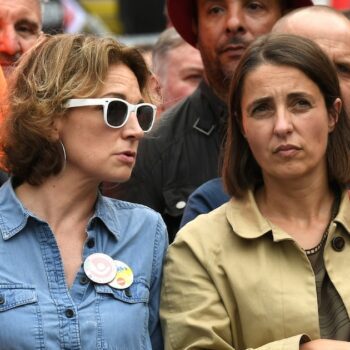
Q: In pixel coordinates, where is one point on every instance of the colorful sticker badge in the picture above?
(100, 268)
(123, 277)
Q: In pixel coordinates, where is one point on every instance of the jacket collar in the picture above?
(107, 211)
(218, 106)
(247, 221)
(343, 216)
(245, 217)
(14, 216)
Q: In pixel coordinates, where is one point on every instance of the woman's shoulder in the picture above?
(225, 225)
(209, 228)
(131, 216)
(124, 207)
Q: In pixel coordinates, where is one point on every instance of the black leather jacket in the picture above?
(177, 157)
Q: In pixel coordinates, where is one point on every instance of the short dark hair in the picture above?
(58, 68)
(240, 169)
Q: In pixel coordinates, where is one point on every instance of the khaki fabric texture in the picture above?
(231, 281)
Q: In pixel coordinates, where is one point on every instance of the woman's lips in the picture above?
(286, 150)
(127, 157)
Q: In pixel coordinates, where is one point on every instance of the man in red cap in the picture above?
(184, 150)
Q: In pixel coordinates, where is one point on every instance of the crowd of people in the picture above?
(242, 114)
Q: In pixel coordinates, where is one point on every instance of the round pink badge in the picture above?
(100, 268)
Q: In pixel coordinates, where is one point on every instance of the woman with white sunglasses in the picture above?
(78, 270)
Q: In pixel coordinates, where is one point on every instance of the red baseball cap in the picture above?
(181, 13)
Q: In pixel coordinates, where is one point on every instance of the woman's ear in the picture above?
(56, 128)
(334, 114)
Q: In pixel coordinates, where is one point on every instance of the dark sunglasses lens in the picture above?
(145, 117)
(116, 113)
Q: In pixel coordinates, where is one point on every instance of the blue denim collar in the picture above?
(14, 216)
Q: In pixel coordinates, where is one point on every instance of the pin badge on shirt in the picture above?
(100, 268)
(124, 276)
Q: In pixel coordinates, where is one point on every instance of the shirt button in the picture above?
(127, 292)
(84, 280)
(90, 243)
(338, 243)
(69, 313)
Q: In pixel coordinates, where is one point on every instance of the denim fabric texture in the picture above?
(39, 311)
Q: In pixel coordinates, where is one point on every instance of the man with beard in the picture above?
(183, 152)
(20, 27)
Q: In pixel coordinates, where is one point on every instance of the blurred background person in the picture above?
(20, 27)
(77, 112)
(178, 67)
(333, 38)
(268, 270)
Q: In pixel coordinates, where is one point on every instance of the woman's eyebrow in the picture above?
(120, 95)
(258, 101)
(114, 94)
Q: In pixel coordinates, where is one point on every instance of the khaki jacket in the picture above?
(232, 281)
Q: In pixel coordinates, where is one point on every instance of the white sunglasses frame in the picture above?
(85, 102)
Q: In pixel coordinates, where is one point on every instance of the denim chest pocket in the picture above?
(20, 317)
(14, 295)
(125, 310)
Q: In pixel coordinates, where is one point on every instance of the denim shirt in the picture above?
(39, 311)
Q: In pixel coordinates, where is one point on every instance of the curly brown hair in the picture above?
(58, 68)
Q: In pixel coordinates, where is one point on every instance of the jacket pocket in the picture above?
(138, 292)
(15, 295)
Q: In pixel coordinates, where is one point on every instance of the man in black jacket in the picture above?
(183, 151)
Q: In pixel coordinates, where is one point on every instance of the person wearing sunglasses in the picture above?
(79, 270)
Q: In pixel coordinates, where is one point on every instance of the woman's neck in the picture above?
(300, 209)
(59, 199)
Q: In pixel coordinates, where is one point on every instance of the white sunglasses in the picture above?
(116, 111)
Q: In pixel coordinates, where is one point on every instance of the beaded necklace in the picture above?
(335, 208)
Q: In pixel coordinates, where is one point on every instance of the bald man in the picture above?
(331, 30)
